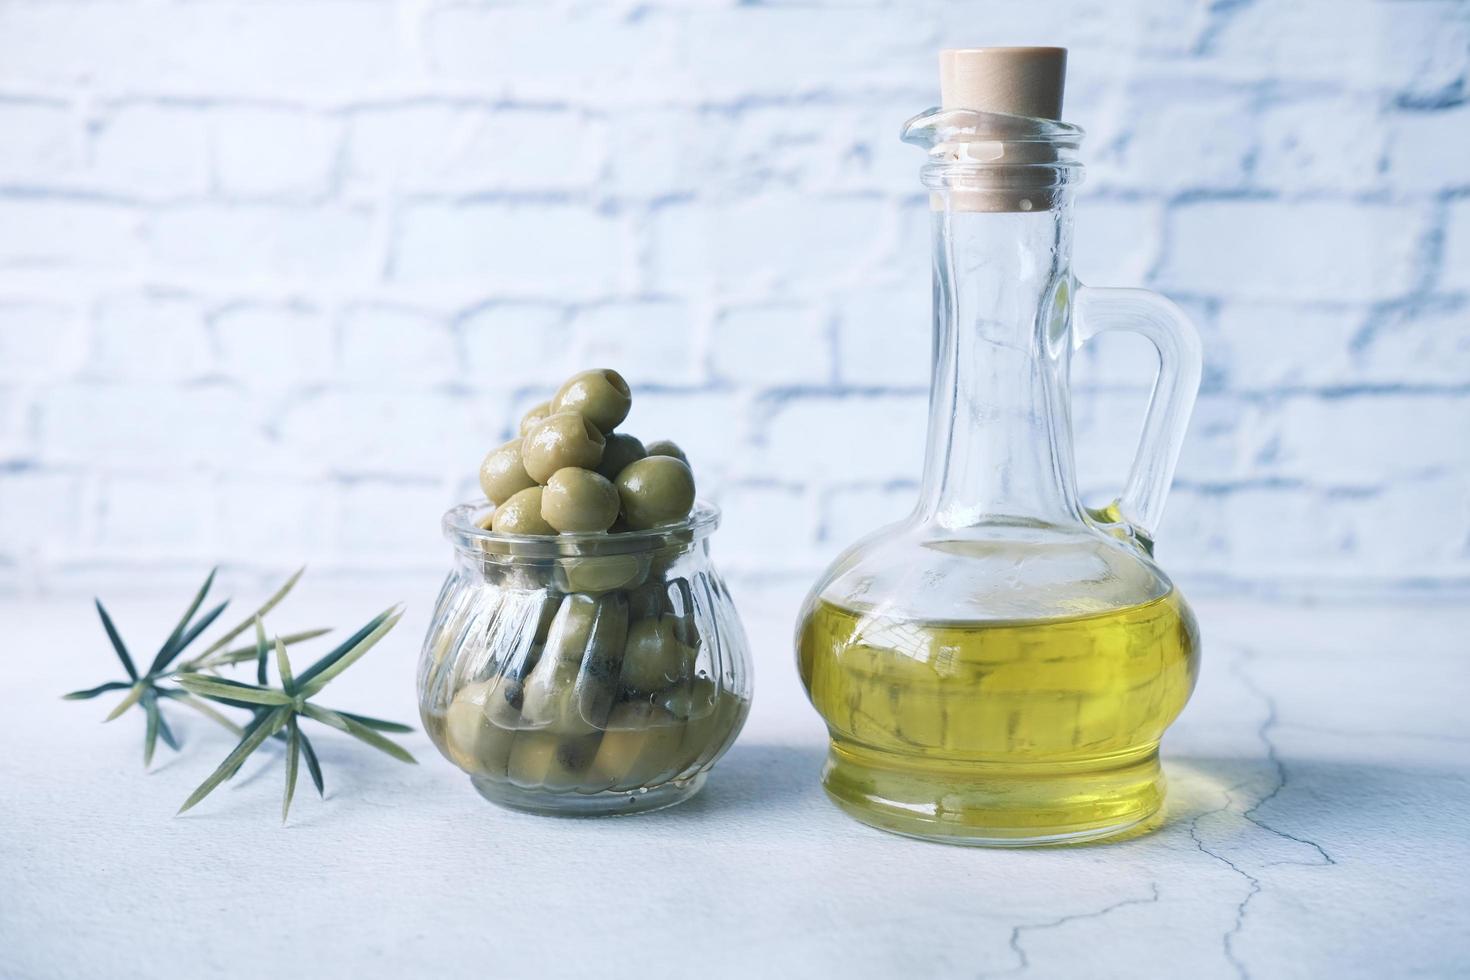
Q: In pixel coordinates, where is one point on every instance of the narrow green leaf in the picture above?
(312, 765)
(293, 754)
(283, 666)
(165, 652)
(220, 688)
(311, 685)
(165, 657)
(241, 654)
(127, 702)
(203, 708)
(92, 692)
(166, 733)
(150, 736)
(260, 652)
(378, 724)
(329, 717)
(255, 735)
(266, 607)
(117, 643)
(340, 651)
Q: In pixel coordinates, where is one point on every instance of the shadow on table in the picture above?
(756, 778)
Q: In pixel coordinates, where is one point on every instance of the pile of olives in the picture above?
(569, 473)
(596, 684)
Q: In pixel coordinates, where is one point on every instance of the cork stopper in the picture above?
(1016, 81)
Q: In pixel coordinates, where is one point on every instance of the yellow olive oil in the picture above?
(999, 732)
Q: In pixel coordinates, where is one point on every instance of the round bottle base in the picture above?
(995, 805)
(604, 804)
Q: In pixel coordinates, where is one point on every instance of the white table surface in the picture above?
(1316, 826)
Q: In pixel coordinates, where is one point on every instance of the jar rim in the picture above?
(461, 525)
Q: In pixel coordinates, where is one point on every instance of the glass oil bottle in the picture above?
(999, 667)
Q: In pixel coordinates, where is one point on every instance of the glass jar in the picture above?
(999, 667)
(584, 673)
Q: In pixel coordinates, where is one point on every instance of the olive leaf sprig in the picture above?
(278, 708)
(149, 688)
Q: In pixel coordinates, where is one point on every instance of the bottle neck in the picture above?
(1000, 444)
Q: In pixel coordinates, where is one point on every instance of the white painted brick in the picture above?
(45, 233)
(765, 242)
(650, 342)
(831, 438)
(413, 535)
(512, 345)
(1419, 529)
(885, 336)
(1417, 347)
(149, 335)
(1284, 532)
(315, 48)
(853, 512)
(436, 148)
(273, 153)
(40, 143)
(1103, 34)
(765, 528)
(1360, 441)
(396, 344)
(771, 345)
(38, 340)
(365, 433)
(1330, 144)
(157, 150)
(1116, 243)
(159, 428)
(1455, 264)
(273, 346)
(1263, 346)
(1430, 150)
(266, 243)
(176, 519)
(548, 248)
(1227, 441)
(1161, 142)
(39, 511)
(798, 51)
(1330, 251)
(590, 54)
(276, 520)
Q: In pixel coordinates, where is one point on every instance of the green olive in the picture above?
(601, 395)
(655, 491)
(620, 450)
(646, 601)
(502, 475)
(521, 514)
(667, 447)
(654, 658)
(560, 694)
(578, 500)
(596, 574)
(476, 744)
(640, 747)
(561, 440)
(534, 415)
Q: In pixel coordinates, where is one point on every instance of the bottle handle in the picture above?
(1099, 310)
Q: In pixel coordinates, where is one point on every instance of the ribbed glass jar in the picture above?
(584, 673)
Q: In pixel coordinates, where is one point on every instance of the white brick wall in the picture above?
(273, 275)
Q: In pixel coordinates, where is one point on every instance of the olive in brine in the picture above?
(655, 491)
(475, 743)
(602, 396)
(521, 514)
(639, 748)
(654, 658)
(560, 694)
(667, 447)
(561, 440)
(578, 500)
(502, 474)
(533, 416)
(621, 449)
